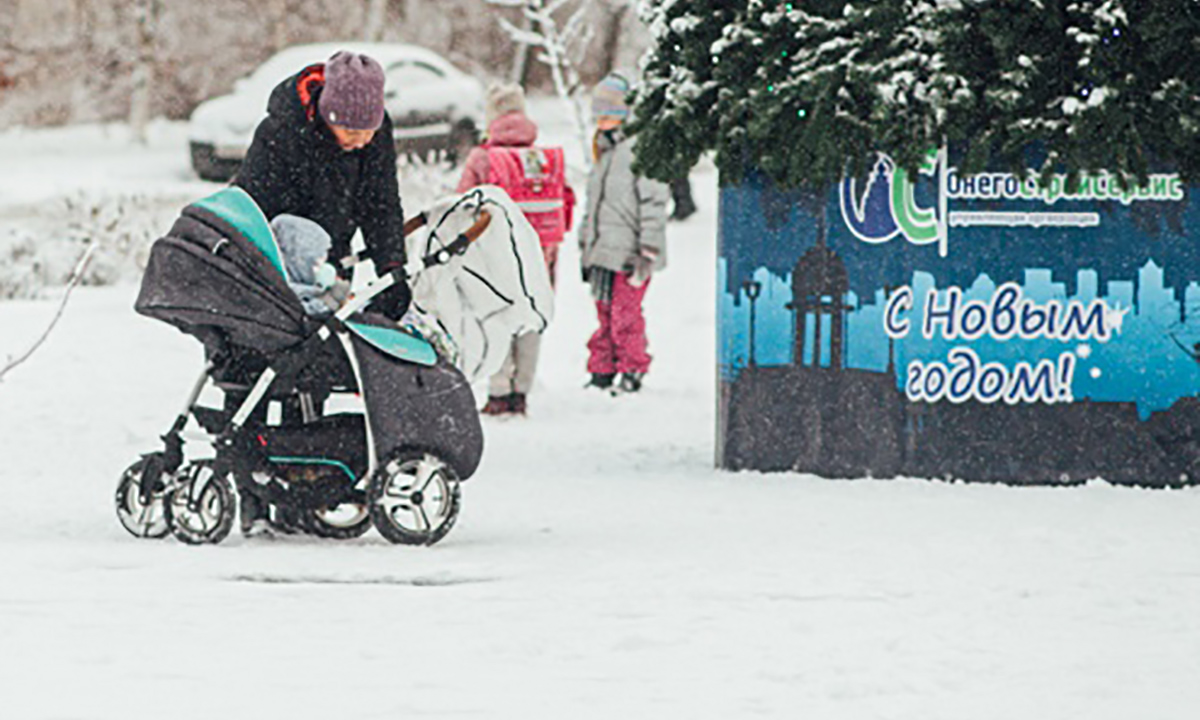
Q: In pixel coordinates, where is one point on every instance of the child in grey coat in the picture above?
(622, 241)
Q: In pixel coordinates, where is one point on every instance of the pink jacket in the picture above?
(513, 130)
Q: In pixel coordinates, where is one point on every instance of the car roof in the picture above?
(292, 59)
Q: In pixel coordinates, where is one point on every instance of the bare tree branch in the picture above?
(76, 277)
(520, 35)
(561, 47)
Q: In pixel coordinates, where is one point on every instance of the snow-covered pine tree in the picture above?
(838, 81)
(1090, 84)
(675, 111)
(1028, 62)
(800, 88)
(796, 89)
(1094, 84)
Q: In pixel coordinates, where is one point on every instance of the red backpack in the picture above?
(535, 178)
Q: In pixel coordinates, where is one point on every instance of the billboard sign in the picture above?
(986, 327)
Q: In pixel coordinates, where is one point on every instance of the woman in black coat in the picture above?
(326, 152)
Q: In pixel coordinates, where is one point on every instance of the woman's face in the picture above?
(349, 139)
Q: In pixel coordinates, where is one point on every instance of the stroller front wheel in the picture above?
(200, 507)
(143, 518)
(414, 498)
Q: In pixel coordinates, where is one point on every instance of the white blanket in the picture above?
(498, 289)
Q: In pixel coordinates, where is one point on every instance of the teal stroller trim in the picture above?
(235, 206)
(396, 343)
(286, 460)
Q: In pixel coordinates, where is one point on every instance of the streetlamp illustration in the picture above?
(753, 289)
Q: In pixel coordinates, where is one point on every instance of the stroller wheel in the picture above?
(342, 522)
(142, 519)
(200, 508)
(414, 498)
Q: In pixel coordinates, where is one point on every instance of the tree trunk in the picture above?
(373, 26)
(141, 95)
(611, 43)
(520, 67)
(279, 10)
(410, 10)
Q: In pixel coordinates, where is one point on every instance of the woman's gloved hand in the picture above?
(393, 302)
(335, 295)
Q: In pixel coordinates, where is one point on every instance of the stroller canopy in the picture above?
(235, 206)
(220, 269)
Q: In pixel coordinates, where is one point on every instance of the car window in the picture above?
(412, 74)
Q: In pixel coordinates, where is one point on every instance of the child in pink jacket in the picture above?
(535, 178)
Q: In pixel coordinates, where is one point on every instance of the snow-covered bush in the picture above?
(20, 271)
(44, 246)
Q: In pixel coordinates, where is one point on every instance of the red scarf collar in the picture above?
(311, 80)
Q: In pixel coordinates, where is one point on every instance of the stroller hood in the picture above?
(219, 269)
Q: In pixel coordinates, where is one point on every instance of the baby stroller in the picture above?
(394, 461)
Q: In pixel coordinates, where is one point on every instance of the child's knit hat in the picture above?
(303, 243)
(608, 98)
(503, 99)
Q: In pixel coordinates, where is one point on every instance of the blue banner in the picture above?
(989, 327)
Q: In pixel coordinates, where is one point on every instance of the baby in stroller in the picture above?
(281, 338)
(305, 247)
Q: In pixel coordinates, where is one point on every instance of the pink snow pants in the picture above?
(619, 346)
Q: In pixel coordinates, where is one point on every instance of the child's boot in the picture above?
(498, 405)
(601, 381)
(630, 382)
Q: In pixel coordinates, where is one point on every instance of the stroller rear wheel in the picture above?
(343, 522)
(414, 498)
(143, 519)
(200, 508)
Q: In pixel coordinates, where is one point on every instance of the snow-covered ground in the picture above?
(600, 569)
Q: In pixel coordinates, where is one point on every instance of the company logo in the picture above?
(887, 207)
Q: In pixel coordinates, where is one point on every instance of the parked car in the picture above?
(436, 108)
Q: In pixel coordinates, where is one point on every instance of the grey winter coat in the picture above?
(624, 212)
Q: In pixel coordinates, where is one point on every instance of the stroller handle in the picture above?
(461, 243)
(480, 226)
(415, 222)
(440, 257)
(418, 221)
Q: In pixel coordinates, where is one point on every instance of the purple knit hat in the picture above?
(353, 94)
